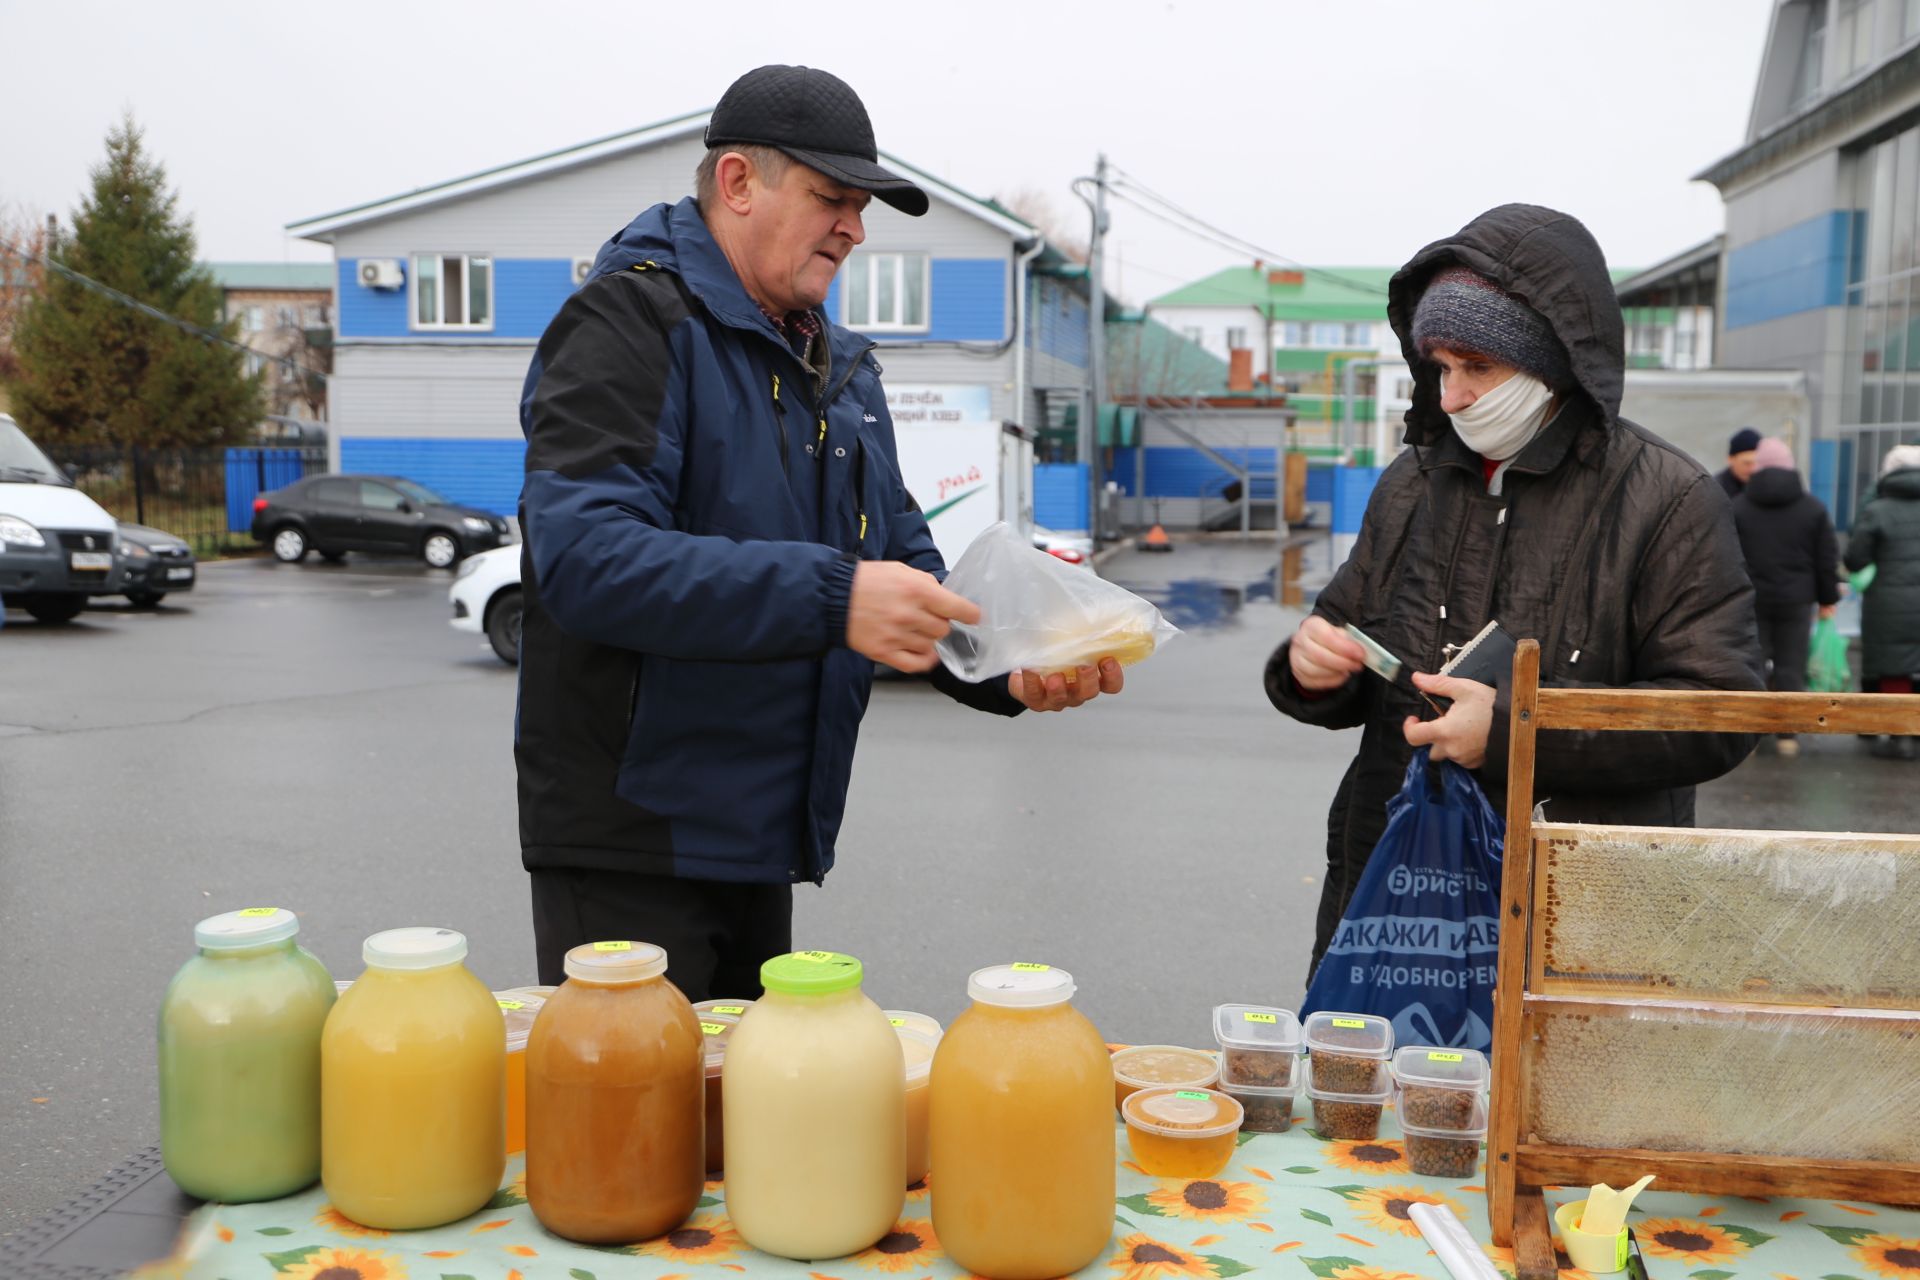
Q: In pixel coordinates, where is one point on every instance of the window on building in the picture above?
(1237, 339)
(1813, 53)
(1880, 389)
(1293, 334)
(452, 291)
(1193, 333)
(313, 317)
(885, 291)
(1329, 335)
(1910, 20)
(253, 363)
(1853, 33)
(286, 317)
(253, 319)
(1360, 335)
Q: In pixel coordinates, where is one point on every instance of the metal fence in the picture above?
(203, 496)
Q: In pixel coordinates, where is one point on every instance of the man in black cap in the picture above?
(1740, 462)
(718, 549)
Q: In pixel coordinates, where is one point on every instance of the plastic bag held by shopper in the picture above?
(1420, 940)
(1039, 613)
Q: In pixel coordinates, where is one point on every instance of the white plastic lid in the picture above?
(249, 927)
(1256, 1026)
(732, 1008)
(1183, 1113)
(1434, 1068)
(420, 947)
(1359, 1035)
(613, 963)
(716, 1030)
(925, 1023)
(1020, 986)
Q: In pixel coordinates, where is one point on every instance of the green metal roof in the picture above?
(1324, 293)
(272, 275)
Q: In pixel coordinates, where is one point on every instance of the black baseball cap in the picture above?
(816, 118)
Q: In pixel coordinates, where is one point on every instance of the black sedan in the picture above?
(156, 563)
(337, 514)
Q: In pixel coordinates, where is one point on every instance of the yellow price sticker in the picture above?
(1356, 1024)
(735, 1009)
(1033, 968)
(513, 1004)
(814, 957)
(613, 946)
(898, 1022)
(253, 912)
(714, 1028)
(1446, 1057)
(1266, 1018)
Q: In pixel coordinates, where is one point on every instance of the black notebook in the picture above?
(1485, 658)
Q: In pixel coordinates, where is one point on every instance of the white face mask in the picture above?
(1505, 420)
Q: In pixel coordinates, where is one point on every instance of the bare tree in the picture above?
(309, 347)
(25, 237)
(1063, 230)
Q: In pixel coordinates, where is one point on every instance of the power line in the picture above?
(127, 300)
(1226, 239)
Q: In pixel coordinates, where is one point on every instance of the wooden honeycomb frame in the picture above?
(1528, 994)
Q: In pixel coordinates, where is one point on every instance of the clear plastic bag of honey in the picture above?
(1039, 613)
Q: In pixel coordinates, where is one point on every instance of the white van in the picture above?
(57, 545)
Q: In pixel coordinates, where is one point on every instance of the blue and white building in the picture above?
(441, 294)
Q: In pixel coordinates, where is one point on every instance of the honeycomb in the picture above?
(1758, 917)
(1793, 1083)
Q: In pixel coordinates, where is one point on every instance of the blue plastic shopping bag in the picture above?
(1420, 942)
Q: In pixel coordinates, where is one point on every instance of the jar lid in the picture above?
(1146, 1065)
(421, 947)
(1183, 1113)
(1020, 986)
(1433, 1067)
(610, 963)
(1256, 1026)
(248, 927)
(925, 1023)
(732, 1008)
(811, 973)
(1360, 1035)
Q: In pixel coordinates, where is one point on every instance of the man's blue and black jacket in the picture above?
(696, 500)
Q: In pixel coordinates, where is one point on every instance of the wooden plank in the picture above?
(1899, 1022)
(1686, 838)
(1516, 900)
(1533, 1238)
(1716, 1173)
(1706, 711)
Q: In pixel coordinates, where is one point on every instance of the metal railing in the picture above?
(202, 495)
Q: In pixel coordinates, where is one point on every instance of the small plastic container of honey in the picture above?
(1181, 1133)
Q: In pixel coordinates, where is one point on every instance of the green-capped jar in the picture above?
(240, 1060)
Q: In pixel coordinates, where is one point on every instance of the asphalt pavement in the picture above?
(317, 737)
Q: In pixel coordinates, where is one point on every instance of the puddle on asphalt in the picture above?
(1202, 603)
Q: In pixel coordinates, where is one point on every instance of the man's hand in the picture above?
(897, 612)
(1322, 656)
(1828, 610)
(1058, 692)
(1461, 734)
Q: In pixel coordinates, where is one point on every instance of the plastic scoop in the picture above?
(1607, 1209)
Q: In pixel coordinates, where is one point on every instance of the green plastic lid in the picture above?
(811, 973)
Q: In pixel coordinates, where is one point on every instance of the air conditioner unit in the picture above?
(381, 273)
(582, 270)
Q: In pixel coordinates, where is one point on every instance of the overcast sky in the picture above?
(1329, 132)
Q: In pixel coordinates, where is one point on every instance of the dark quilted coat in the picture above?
(1886, 534)
(1611, 547)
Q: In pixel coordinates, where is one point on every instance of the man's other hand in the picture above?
(1057, 692)
(897, 612)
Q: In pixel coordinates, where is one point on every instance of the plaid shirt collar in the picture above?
(801, 325)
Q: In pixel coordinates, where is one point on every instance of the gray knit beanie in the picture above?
(1462, 310)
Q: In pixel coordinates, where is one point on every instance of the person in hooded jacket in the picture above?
(1524, 498)
(719, 548)
(1886, 535)
(1794, 561)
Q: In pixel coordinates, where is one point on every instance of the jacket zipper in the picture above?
(780, 428)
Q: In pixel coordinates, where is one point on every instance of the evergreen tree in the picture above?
(94, 371)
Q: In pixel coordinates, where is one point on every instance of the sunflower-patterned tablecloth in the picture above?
(1290, 1205)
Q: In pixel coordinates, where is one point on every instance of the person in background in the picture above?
(1739, 469)
(1886, 534)
(1794, 561)
(1523, 497)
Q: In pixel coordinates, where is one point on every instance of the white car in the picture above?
(57, 545)
(486, 599)
(1072, 548)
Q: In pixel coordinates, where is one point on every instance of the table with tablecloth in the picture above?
(1292, 1205)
